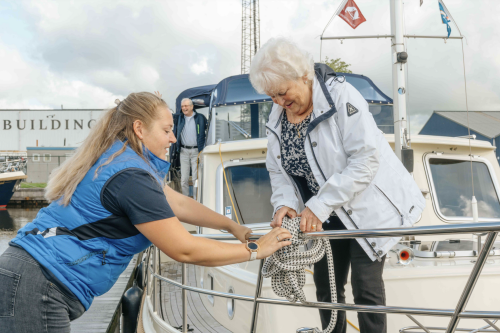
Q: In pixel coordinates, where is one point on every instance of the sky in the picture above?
(86, 53)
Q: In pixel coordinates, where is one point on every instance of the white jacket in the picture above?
(359, 175)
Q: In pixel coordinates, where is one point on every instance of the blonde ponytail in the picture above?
(115, 124)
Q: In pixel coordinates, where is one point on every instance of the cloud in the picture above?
(87, 53)
(201, 67)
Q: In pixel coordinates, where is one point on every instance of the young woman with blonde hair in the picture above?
(108, 203)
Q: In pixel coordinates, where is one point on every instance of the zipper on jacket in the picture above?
(366, 240)
(393, 205)
(104, 257)
(315, 160)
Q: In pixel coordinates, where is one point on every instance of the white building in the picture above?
(20, 129)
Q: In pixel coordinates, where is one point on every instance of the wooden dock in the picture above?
(99, 317)
(28, 196)
(199, 319)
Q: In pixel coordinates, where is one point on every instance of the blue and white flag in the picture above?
(445, 17)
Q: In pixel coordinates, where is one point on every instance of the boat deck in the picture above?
(199, 319)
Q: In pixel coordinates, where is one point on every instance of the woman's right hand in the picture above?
(272, 242)
(280, 214)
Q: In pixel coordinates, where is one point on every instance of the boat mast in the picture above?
(399, 57)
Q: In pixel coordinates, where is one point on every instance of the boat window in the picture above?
(242, 90)
(36, 157)
(382, 113)
(241, 122)
(46, 157)
(251, 191)
(453, 188)
(365, 88)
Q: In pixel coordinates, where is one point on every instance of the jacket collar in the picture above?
(159, 165)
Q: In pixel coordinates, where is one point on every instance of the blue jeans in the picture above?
(28, 301)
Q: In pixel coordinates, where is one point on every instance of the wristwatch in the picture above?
(253, 248)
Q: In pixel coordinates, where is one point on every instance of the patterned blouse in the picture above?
(293, 154)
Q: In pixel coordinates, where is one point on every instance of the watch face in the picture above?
(253, 246)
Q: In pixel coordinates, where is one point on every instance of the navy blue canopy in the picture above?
(237, 89)
(199, 95)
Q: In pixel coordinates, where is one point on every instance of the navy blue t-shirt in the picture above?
(136, 194)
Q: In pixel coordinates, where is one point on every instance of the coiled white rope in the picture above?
(286, 268)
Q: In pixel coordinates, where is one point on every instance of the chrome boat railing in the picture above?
(491, 228)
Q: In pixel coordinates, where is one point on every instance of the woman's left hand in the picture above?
(309, 221)
(241, 232)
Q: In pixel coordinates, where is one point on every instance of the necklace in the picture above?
(299, 124)
(296, 125)
(297, 128)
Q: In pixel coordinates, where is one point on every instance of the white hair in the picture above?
(277, 61)
(187, 99)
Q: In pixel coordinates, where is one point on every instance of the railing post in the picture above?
(157, 281)
(184, 299)
(471, 283)
(153, 279)
(258, 290)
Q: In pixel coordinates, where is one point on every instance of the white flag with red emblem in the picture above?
(351, 14)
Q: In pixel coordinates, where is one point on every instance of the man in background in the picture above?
(190, 134)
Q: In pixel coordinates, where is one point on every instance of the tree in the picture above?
(338, 65)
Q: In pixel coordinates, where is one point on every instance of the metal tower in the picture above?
(250, 33)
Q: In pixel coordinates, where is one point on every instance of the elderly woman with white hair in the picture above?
(330, 165)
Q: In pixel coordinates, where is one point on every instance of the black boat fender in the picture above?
(131, 304)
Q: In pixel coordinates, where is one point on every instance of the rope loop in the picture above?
(286, 267)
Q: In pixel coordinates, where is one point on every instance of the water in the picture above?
(11, 220)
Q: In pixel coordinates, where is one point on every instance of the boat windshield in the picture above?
(240, 122)
(384, 118)
(366, 89)
(453, 188)
(248, 121)
(251, 191)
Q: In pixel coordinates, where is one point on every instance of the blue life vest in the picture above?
(84, 245)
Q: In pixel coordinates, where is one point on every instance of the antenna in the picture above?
(250, 33)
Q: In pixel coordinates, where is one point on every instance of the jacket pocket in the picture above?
(9, 282)
(392, 204)
(372, 209)
(101, 254)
